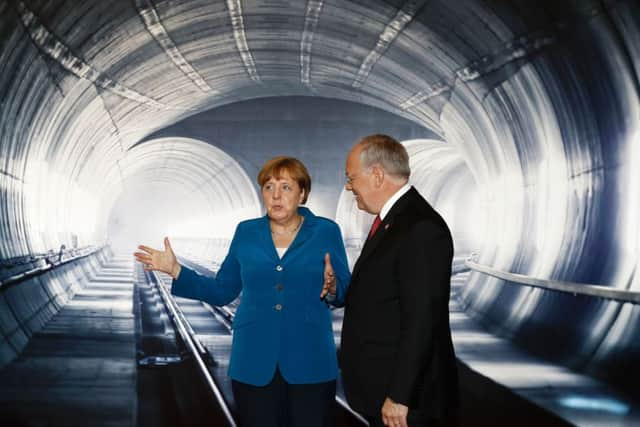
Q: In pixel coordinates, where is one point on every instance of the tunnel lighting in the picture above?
(240, 36)
(192, 227)
(84, 208)
(124, 292)
(209, 194)
(632, 232)
(474, 339)
(314, 8)
(595, 403)
(528, 374)
(113, 304)
(546, 230)
(614, 320)
(551, 189)
(223, 225)
(618, 332)
(57, 206)
(505, 200)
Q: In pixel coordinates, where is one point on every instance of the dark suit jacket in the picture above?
(396, 339)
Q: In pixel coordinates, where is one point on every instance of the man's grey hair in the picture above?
(388, 153)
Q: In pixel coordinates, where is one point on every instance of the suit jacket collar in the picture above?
(387, 224)
(306, 231)
(393, 200)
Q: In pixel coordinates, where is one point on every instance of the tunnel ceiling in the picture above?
(163, 60)
(509, 83)
(132, 67)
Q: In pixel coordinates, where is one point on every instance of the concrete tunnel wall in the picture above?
(539, 98)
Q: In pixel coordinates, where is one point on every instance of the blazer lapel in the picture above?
(266, 241)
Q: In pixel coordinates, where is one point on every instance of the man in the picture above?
(397, 359)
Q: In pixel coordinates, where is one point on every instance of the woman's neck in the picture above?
(288, 227)
(285, 231)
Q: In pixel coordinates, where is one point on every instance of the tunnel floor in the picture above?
(575, 398)
(81, 369)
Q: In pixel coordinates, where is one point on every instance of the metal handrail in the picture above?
(188, 337)
(50, 265)
(342, 402)
(574, 288)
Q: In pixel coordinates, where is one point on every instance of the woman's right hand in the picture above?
(154, 259)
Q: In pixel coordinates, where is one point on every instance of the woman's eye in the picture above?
(268, 187)
(286, 187)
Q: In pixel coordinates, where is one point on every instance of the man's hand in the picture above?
(329, 284)
(154, 259)
(394, 414)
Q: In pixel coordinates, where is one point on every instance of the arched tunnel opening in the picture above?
(123, 123)
(183, 188)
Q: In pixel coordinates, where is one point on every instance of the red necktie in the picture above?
(374, 226)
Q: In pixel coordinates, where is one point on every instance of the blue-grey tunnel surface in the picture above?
(125, 121)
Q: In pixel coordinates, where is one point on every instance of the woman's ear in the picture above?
(302, 196)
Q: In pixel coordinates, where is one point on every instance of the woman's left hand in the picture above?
(329, 284)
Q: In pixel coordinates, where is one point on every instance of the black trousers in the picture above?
(280, 404)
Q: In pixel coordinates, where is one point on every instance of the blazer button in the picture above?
(279, 287)
(279, 268)
(278, 307)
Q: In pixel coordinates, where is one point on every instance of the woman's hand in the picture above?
(329, 284)
(154, 259)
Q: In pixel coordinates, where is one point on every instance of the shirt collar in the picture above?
(393, 199)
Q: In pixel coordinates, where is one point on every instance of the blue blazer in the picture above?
(281, 320)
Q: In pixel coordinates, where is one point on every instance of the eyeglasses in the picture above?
(349, 179)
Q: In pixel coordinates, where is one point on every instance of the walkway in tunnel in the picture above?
(81, 368)
(576, 398)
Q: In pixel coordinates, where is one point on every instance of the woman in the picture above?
(283, 360)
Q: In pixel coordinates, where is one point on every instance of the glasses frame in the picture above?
(348, 180)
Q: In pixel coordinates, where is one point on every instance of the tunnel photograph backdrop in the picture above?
(125, 121)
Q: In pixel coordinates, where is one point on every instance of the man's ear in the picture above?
(378, 174)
